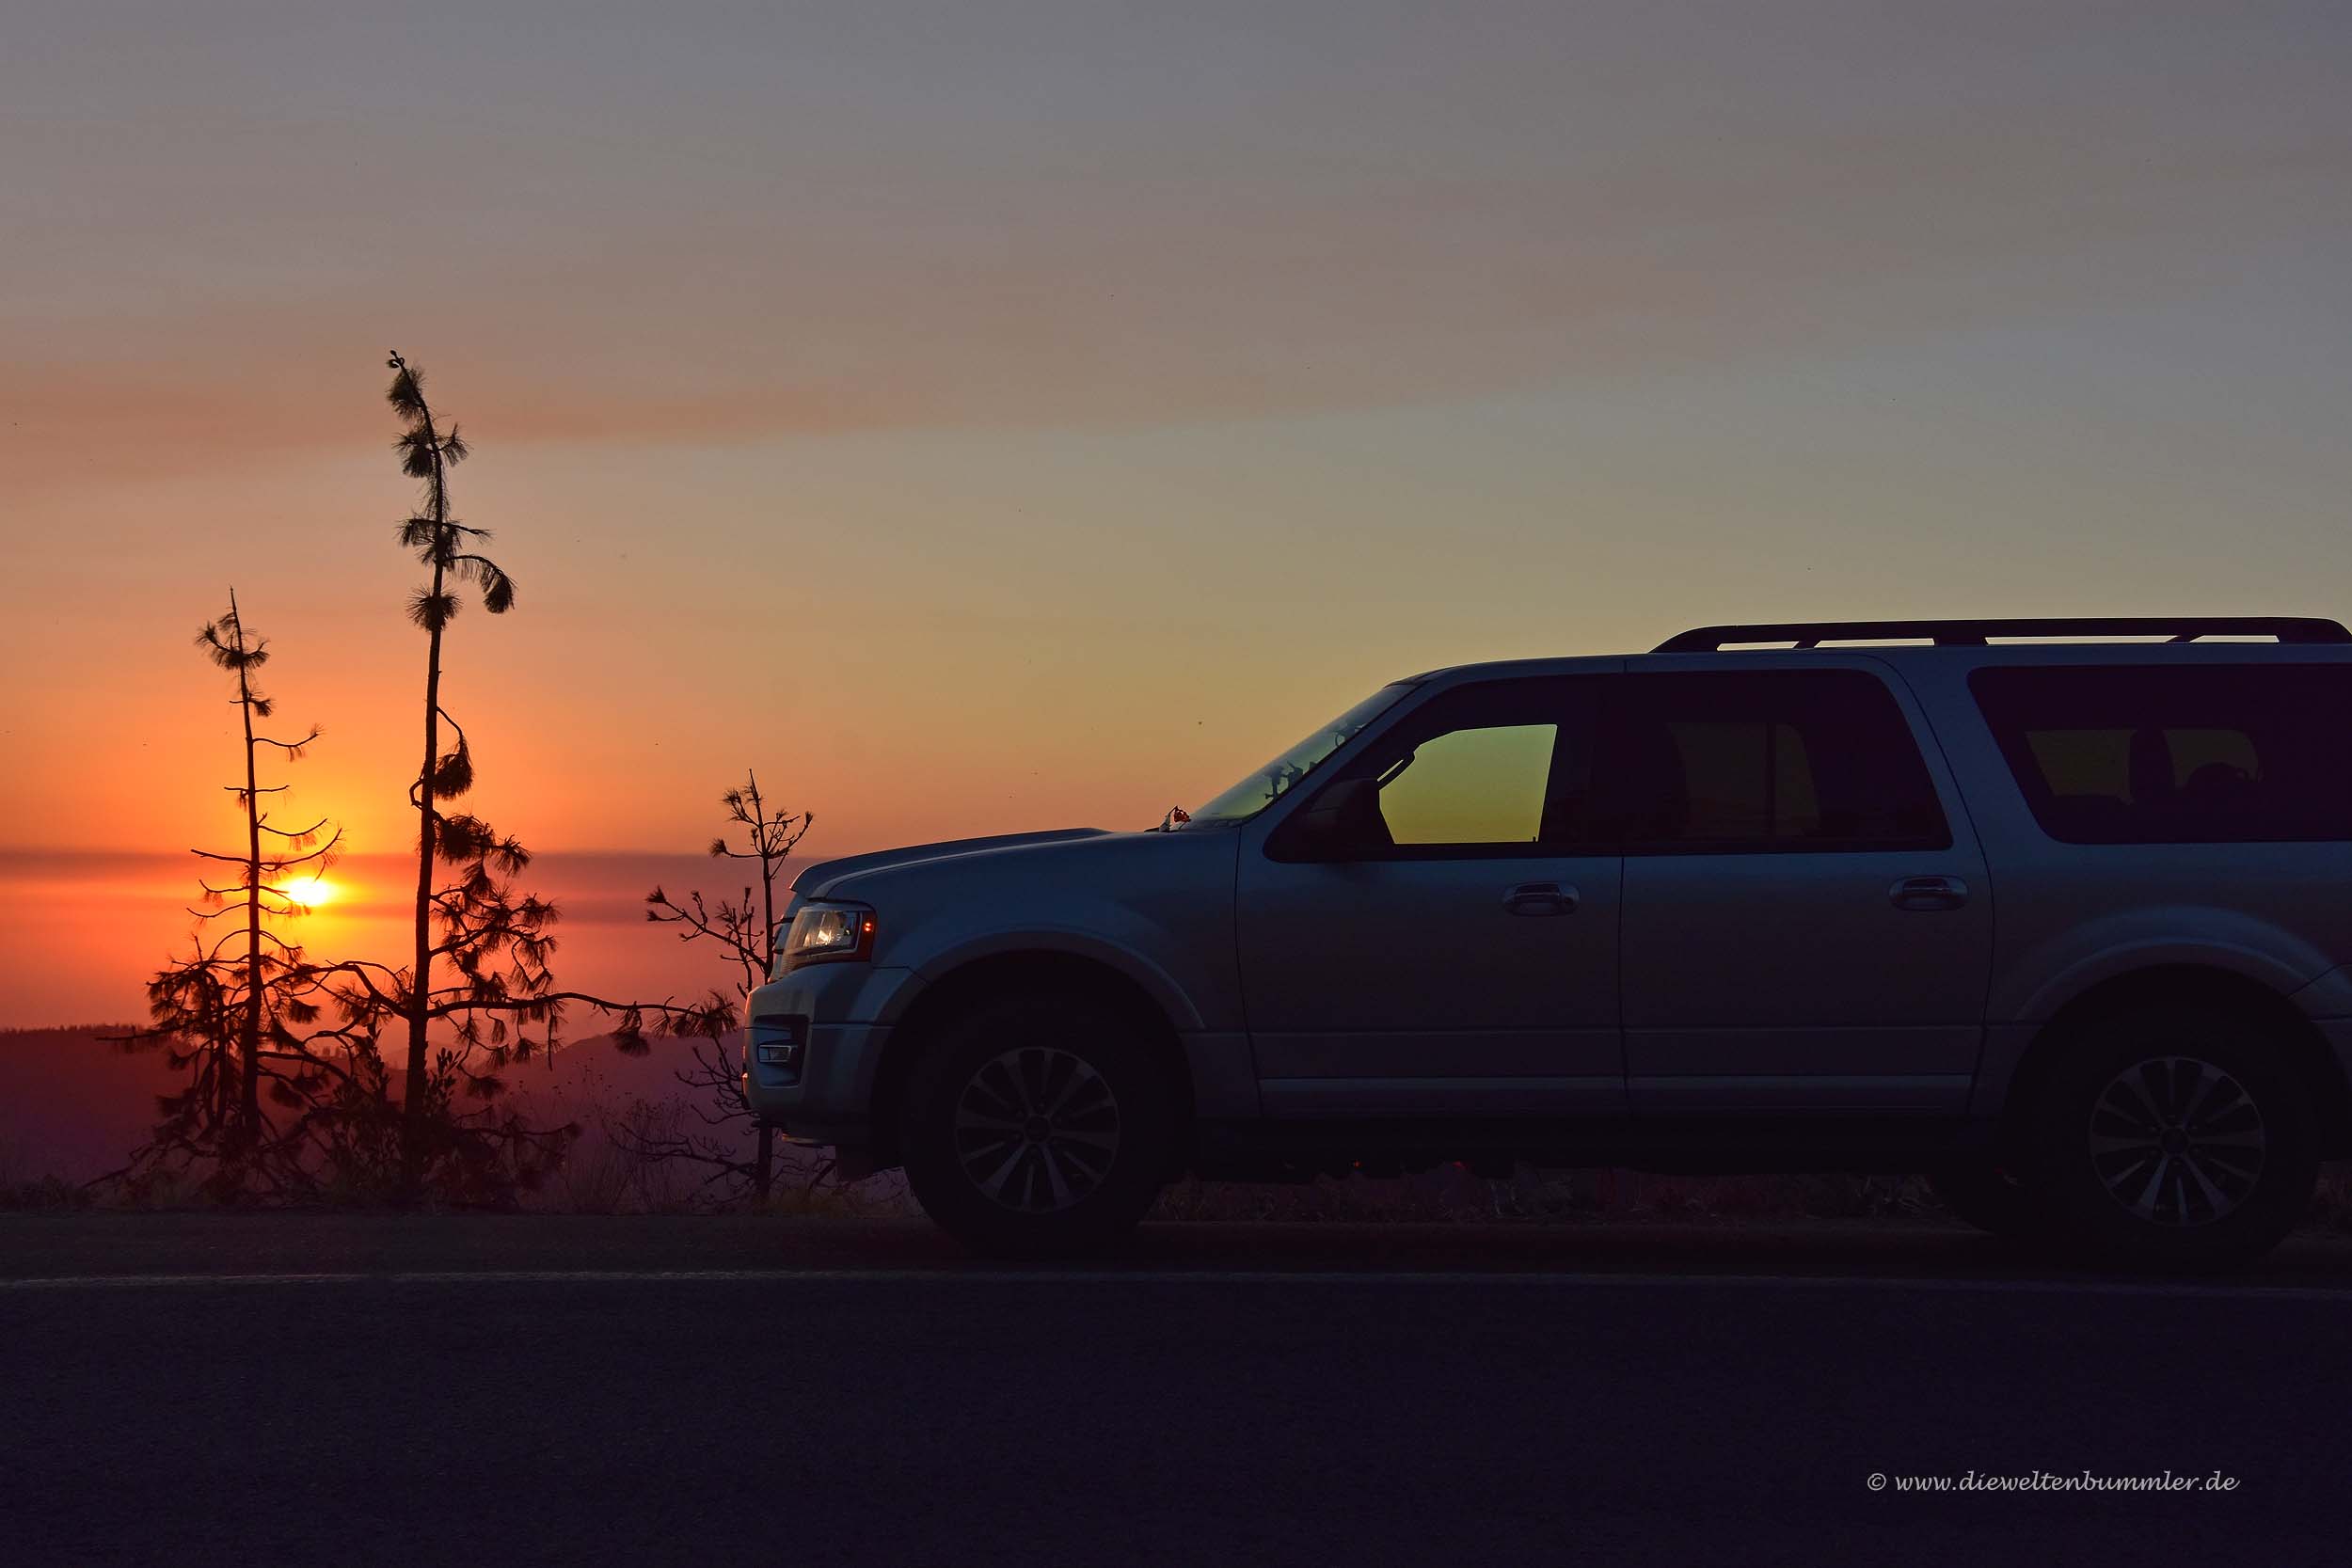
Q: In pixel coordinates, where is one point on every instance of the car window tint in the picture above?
(1768, 760)
(1796, 807)
(1726, 769)
(2201, 754)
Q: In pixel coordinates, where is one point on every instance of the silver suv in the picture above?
(2053, 912)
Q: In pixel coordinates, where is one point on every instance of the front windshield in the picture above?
(1262, 788)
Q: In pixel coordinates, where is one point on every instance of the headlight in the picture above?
(823, 931)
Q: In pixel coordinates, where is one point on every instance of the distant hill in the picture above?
(72, 1105)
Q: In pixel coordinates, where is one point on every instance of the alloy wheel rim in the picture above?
(1037, 1129)
(2177, 1141)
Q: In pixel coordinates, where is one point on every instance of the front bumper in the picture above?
(827, 1095)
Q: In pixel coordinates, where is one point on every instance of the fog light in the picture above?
(776, 1041)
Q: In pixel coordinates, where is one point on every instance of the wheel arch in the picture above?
(2198, 986)
(1017, 972)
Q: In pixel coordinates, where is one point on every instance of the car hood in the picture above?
(816, 881)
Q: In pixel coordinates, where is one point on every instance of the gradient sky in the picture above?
(987, 417)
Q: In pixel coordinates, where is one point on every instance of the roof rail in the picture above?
(2178, 628)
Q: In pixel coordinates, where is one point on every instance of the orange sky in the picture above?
(983, 423)
(110, 920)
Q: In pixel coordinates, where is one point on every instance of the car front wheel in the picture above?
(1037, 1127)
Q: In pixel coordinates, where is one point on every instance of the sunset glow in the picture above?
(309, 893)
(986, 428)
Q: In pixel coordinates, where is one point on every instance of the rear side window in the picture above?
(2143, 753)
(1785, 760)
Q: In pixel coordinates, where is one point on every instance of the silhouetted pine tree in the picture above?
(745, 935)
(478, 962)
(241, 1009)
(439, 541)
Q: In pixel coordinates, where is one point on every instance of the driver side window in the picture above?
(1495, 768)
(1483, 786)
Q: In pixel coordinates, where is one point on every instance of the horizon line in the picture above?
(14, 850)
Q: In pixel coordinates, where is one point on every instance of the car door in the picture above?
(1462, 958)
(1806, 925)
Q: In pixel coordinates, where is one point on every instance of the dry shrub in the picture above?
(608, 1172)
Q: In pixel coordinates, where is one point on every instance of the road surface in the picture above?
(274, 1388)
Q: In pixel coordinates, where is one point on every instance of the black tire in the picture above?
(1985, 1194)
(2176, 1139)
(1037, 1127)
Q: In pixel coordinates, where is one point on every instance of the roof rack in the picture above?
(1973, 634)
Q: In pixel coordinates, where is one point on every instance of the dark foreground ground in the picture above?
(194, 1389)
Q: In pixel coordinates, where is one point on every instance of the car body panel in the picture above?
(817, 879)
(1405, 986)
(2074, 914)
(1747, 977)
(1157, 908)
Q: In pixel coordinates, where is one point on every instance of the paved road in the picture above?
(272, 1388)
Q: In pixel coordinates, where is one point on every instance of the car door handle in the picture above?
(1541, 898)
(1928, 893)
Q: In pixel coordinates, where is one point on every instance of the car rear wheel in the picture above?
(1037, 1127)
(2176, 1139)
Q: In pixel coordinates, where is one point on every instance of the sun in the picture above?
(309, 892)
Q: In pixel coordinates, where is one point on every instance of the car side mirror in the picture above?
(1343, 822)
